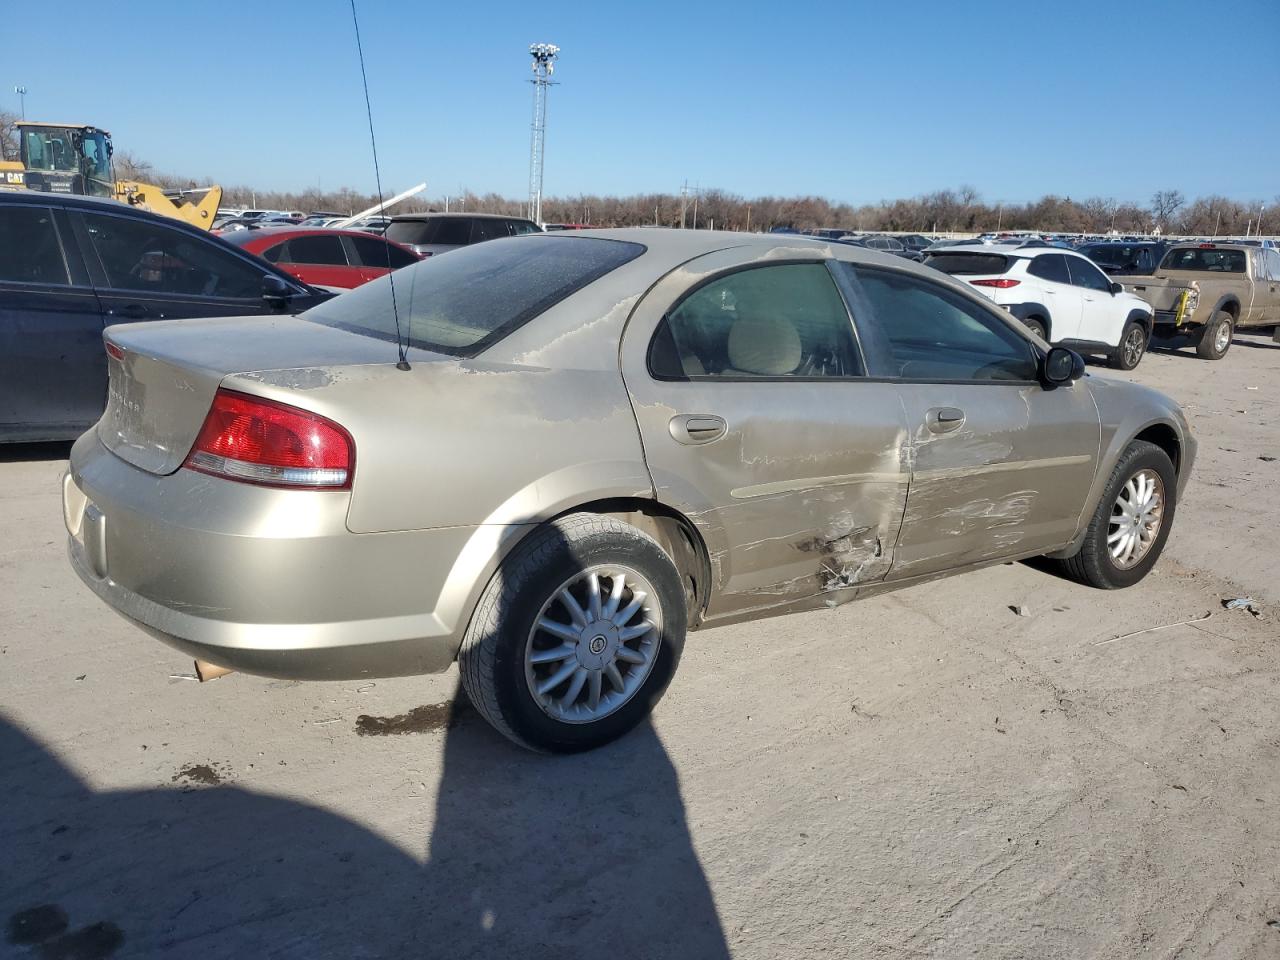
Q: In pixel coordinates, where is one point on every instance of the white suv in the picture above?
(1059, 294)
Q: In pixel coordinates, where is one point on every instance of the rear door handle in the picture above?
(696, 428)
(944, 419)
(130, 311)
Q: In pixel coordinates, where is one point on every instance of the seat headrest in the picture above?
(766, 348)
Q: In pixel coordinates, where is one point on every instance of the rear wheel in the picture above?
(1215, 341)
(1036, 326)
(1133, 344)
(1131, 524)
(577, 636)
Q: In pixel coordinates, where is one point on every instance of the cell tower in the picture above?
(544, 65)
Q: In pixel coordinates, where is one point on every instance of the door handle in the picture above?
(696, 428)
(130, 311)
(944, 419)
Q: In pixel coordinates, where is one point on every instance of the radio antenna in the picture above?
(401, 346)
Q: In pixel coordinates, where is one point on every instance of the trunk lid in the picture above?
(162, 376)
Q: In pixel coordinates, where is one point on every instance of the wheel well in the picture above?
(1166, 438)
(1232, 307)
(677, 535)
(1043, 321)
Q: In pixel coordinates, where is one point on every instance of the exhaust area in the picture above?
(206, 671)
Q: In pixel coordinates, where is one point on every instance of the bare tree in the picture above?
(1164, 205)
(8, 135)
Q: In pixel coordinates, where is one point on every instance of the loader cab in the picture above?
(60, 158)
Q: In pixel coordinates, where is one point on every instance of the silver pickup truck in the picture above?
(1202, 292)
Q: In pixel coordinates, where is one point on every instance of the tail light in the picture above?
(261, 441)
(113, 351)
(1004, 283)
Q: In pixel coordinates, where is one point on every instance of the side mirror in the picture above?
(1062, 366)
(1116, 288)
(275, 292)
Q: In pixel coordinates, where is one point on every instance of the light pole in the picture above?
(544, 65)
(21, 91)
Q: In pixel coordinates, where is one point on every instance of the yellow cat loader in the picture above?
(71, 158)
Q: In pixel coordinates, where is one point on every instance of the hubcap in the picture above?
(1224, 336)
(1133, 347)
(593, 644)
(1136, 517)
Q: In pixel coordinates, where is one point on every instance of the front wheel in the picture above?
(1131, 523)
(1036, 326)
(1215, 340)
(577, 636)
(1133, 344)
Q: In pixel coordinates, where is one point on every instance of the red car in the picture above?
(325, 258)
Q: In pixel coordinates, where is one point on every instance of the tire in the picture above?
(1036, 326)
(1133, 345)
(1214, 341)
(1094, 563)
(496, 657)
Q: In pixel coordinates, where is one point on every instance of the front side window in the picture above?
(31, 252)
(933, 333)
(153, 258)
(786, 320)
(1051, 267)
(1085, 274)
(472, 298)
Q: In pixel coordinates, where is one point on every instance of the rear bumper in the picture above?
(262, 580)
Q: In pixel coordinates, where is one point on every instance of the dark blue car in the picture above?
(71, 266)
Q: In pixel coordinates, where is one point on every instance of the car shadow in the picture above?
(48, 450)
(528, 855)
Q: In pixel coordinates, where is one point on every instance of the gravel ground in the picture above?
(923, 774)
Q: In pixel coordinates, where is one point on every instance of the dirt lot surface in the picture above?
(924, 774)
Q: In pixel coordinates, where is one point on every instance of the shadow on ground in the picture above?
(52, 450)
(529, 856)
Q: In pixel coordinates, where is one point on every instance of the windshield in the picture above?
(463, 301)
(46, 148)
(1213, 259)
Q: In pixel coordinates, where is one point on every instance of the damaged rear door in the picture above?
(759, 424)
(1001, 465)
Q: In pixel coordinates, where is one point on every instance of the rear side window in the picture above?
(324, 251)
(408, 231)
(489, 229)
(1212, 259)
(29, 248)
(974, 264)
(454, 231)
(469, 300)
(1050, 266)
(786, 320)
(520, 227)
(153, 258)
(376, 253)
(934, 334)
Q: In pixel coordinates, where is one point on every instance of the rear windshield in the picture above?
(461, 302)
(968, 263)
(1214, 259)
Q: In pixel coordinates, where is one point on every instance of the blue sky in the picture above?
(856, 101)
